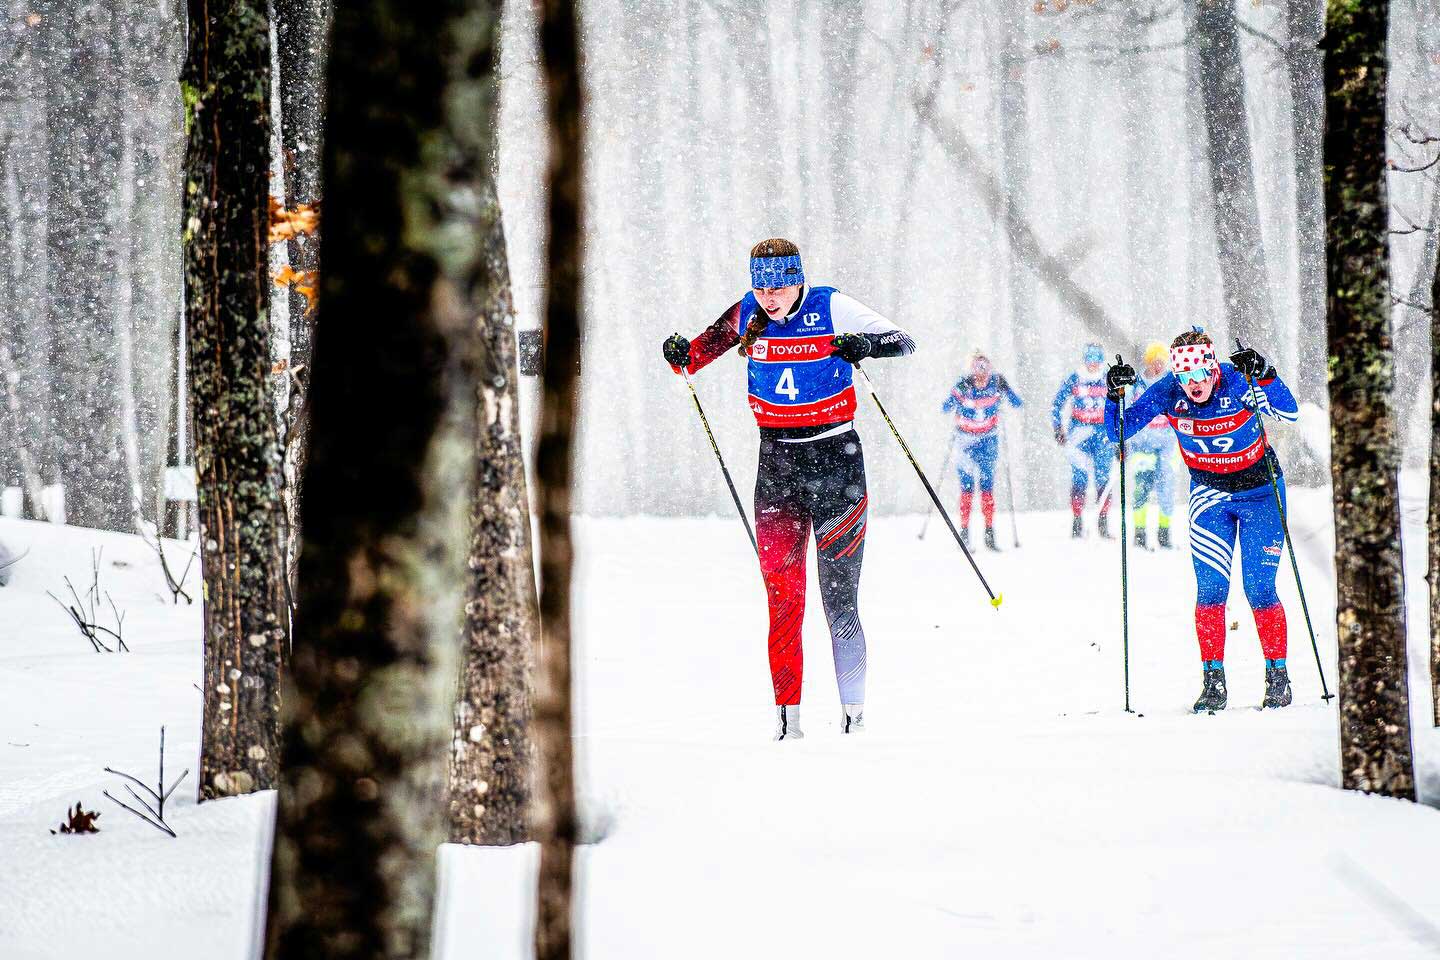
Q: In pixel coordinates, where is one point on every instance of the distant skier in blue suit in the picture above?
(975, 401)
(1081, 432)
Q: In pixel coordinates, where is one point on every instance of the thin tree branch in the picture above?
(158, 826)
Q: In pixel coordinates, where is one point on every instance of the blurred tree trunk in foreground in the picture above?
(301, 34)
(491, 768)
(555, 820)
(362, 804)
(1244, 271)
(227, 163)
(1375, 745)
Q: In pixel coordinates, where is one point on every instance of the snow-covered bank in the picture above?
(1001, 801)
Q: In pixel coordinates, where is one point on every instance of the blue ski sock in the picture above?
(1277, 662)
(1214, 664)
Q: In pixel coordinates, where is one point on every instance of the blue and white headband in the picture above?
(767, 273)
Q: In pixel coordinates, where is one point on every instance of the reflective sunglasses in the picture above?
(1196, 375)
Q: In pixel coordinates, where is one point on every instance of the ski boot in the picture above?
(990, 539)
(787, 723)
(1077, 529)
(852, 718)
(1162, 537)
(1213, 696)
(1105, 527)
(965, 537)
(1140, 539)
(1277, 687)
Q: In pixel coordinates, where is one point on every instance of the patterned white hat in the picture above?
(1194, 355)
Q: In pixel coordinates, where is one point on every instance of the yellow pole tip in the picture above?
(999, 598)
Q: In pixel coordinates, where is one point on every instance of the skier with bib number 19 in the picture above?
(1213, 411)
(800, 343)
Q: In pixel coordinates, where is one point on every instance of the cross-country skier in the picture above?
(1152, 452)
(800, 343)
(1080, 432)
(1212, 410)
(975, 401)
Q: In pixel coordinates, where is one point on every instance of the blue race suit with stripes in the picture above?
(1230, 496)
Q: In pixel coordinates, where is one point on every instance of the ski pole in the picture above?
(723, 469)
(1124, 555)
(944, 472)
(1326, 695)
(1009, 487)
(995, 598)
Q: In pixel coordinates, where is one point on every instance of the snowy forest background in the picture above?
(444, 654)
(933, 140)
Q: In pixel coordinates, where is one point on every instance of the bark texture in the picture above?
(362, 804)
(555, 822)
(227, 283)
(1244, 273)
(491, 763)
(301, 34)
(491, 759)
(1433, 517)
(1375, 744)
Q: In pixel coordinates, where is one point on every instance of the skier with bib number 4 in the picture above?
(800, 343)
(1213, 411)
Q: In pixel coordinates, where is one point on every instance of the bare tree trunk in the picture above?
(19, 423)
(23, 430)
(236, 454)
(362, 804)
(1244, 270)
(83, 106)
(1375, 745)
(1202, 277)
(155, 38)
(842, 26)
(301, 31)
(124, 282)
(1433, 517)
(555, 821)
(27, 188)
(1305, 65)
(491, 768)
(1012, 100)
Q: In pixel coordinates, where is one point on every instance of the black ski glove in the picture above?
(1059, 434)
(853, 347)
(677, 351)
(1117, 378)
(1249, 363)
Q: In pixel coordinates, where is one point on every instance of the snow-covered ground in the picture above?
(1001, 803)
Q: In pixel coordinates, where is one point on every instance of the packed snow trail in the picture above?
(1000, 802)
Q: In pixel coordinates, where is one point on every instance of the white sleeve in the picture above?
(851, 316)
